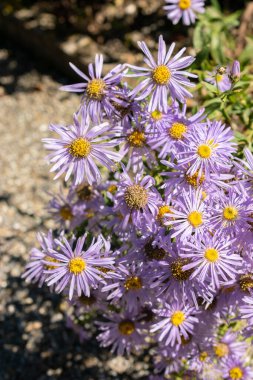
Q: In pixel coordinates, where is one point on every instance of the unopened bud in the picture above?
(235, 71)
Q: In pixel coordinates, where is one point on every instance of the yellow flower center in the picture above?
(195, 180)
(80, 148)
(77, 265)
(211, 254)
(66, 213)
(133, 283)
(236, 373)
(219, 77)
(136, 196)
(154, 253)
(184, 4)
(136, 139)
(177, 318)
(112, 189)
(195, 219)
(51, 260)
(177, 271)
(230, 213)
(204, 151)
(162, 211)
(202, 356)
(95, 89)
(246, 282)
(156, 115)
(221, 350)
(177, 131)
(161, 74)
(126, 327)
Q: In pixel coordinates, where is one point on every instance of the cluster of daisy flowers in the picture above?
(154, 239)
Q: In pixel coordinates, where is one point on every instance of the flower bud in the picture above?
(235, 71)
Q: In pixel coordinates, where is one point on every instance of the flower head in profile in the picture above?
(76, 268)
(98, 92)
(187, 10)
(166, 76)
(220, 78)
(176, 322)
(78, 149)
(34, 270)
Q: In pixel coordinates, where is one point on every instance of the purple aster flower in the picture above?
(165, 76)
(136, 200)
(232, 212)
(34, 270)
(131, 286)
(122, 332)
(235, 369)
(173, 279)
(77, 150)
(177, 321)
(208, 150)
(212, 259)
(134, 145)
(166, 360)
(175, 131)
(185, 9)
(188, 215)
(229, 346)
(179, 179)
(98, 92)
(62, 209)
(76, 268)
(220, 77)
(155, 121)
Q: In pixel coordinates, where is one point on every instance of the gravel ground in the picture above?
(34, 342)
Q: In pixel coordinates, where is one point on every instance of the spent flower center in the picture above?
(154, 253)
(177, 318)
(136, 139)
(136, 197)
(95, 89)
(133, 283)
(195, 180)
(177, 271)
(177, 131)
(161, 75)
(80, 148)
(126, 327)
(66, 213)
(77, 265)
